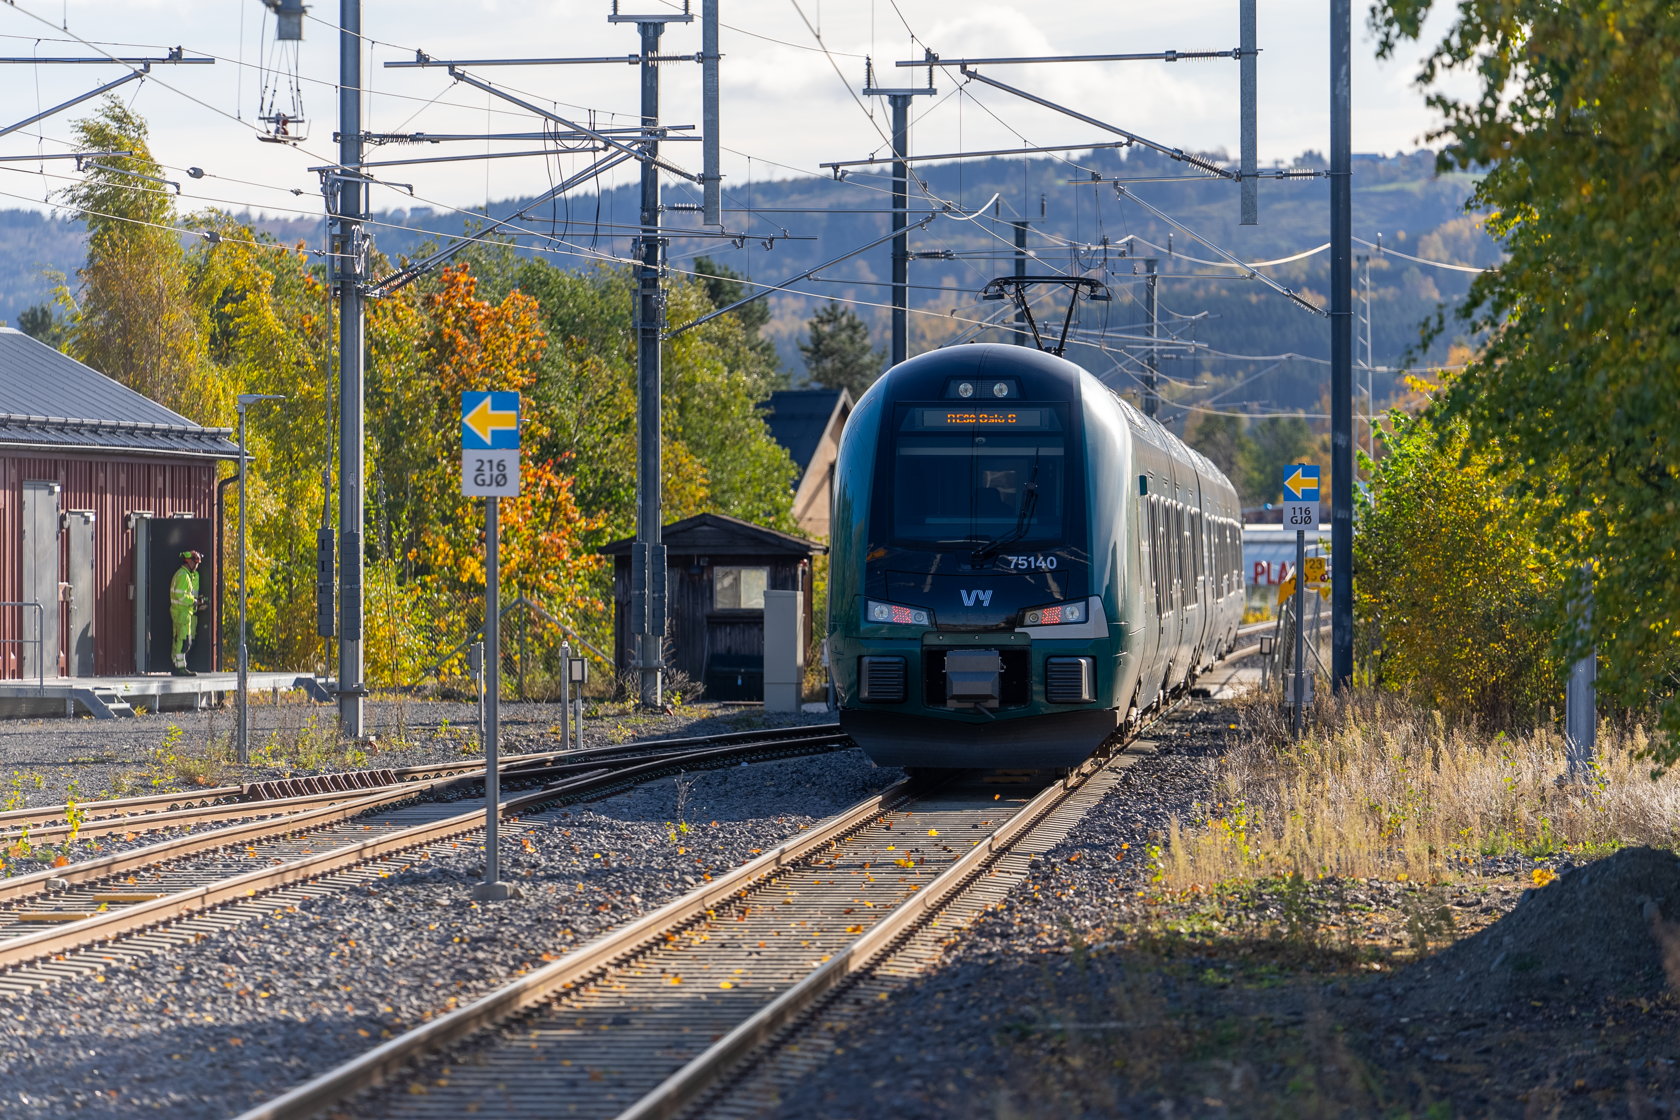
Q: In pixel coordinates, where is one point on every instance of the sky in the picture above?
(790, 78)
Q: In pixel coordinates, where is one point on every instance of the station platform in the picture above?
(119, 697)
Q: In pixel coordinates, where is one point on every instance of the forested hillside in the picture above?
(1415, 210)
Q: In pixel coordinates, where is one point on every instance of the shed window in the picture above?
(735, 589)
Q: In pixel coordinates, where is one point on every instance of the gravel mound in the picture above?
(1598, 932)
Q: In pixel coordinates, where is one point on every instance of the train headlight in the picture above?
(1060, 614)
(1001, 389)
(965, 390)
(896, 613)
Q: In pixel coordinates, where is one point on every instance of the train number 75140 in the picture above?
(1036, 562)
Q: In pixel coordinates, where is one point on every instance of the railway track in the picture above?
(81, 918)
(165, 810)
(697, 1004)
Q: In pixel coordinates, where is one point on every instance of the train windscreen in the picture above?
(979, 478)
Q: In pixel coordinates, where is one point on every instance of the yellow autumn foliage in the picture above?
(1450, 568)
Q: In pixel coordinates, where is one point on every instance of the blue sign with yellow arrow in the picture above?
(1300, 482)
(490, 421)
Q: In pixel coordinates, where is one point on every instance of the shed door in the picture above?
(40, 578)
(79, 647)
(166, 539)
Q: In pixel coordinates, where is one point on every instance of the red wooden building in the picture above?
(101, 489)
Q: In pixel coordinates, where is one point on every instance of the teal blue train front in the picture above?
(1021, 563)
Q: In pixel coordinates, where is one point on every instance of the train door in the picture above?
(1197, 573)
(1164, 584)
(1178, 631)
(1143, 637)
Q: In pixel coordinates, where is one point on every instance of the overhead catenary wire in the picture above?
(581, 252)
(1264, 279)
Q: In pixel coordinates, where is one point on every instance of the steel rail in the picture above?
(680, 1089)
(110, 924)
(273, 821)
(91, 871)
(647, 933)
(223, 811)
(679, 1092)
(251, 792)
(574, 968)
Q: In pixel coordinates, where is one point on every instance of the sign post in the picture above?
(490, 470)
(1300, 511)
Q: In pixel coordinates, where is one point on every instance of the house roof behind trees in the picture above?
(51, 402)
(798, 419)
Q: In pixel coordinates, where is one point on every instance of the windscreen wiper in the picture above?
(1029, 502)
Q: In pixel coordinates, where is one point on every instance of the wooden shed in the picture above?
(717, 570)
(95, 476)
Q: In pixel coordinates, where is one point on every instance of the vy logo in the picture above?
(983, 597)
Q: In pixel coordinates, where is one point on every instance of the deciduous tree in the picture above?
(135, 320)
(1576, 129)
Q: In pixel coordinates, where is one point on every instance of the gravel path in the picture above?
(237, 1018)
(178, 751)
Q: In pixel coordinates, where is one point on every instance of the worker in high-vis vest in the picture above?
(184, 604)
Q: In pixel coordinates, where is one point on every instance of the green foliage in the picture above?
(838, 354)
(719, 455)
(1577, 125)
(1452, 568)
(134, 321)
(723, 287)
(41, 322)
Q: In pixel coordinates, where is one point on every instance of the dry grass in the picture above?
(1381, 787)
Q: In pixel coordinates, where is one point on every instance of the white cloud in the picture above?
(784, 103)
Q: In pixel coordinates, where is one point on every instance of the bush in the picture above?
(1450, 569)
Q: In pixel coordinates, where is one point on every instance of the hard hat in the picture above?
(189, 554)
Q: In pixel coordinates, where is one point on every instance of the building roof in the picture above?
(51, 402)
(798, 418)
(726, 536)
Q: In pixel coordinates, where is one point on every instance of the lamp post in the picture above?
(244, 663)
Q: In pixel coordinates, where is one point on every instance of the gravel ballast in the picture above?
(239, 1017)
(1093, 992)
(171, 751)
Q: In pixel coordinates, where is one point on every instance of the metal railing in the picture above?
(40, 641)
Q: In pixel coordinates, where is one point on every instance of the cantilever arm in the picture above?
(406, 276)
(785, 284)
(601, 137)
(1176, 153)
(129, 77)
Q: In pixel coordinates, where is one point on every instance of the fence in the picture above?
(38, 641)
(1277, 663)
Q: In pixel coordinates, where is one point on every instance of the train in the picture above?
(1021, 563)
